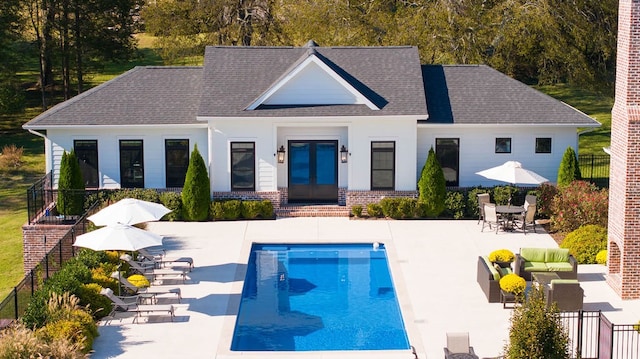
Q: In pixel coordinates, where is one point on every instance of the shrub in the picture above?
(217, 210)
(231, 209)
(544, 203)
(18, 341)
(569, 170)
(503, 194)
(266, 208)
(102, 277)
(70, 199)
(173, 201)
(96, 303)
(356, 210)
(602, 256)
(139, 280)
(585, 242)
(407, 207)
(11, 157)
(472, 201)
(374, 210)
(196, 197)
(67, 320)
(513, 283)
(502, 255)
(250, 209)
(390, 207)
(432, 186)
(580, 204)
(536, 332)
(90, 258)
(454, 205)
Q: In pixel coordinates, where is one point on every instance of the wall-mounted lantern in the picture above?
(281, 154)
(344, 154)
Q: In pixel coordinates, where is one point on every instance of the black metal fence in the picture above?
(40, 197)
(595, 169)
(14, 305)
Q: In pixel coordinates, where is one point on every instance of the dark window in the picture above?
(87, 153)
(503, 145)
(543, 145)
(448, 155)
(131, 164)
(383, 165)
(176, 162)
(243, 166)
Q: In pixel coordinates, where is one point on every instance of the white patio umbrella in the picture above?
(129, 211)
(512, 172)
(121, 237)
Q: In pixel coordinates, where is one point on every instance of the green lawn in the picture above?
(13, 184)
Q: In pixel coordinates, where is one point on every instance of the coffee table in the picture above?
(544, 278)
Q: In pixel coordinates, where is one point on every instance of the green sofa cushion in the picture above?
(559, 266)
(494, 272)
(557, 255)
(533, 254)
(564, 281)
(535, 267)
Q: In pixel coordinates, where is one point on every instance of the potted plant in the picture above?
(513, 283)
(503, 257)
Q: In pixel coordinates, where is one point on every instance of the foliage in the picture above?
(503, 194)
(90, 258)
(67, 320)
(455, 205)
(232, 209)
(139, 280)
(217, 210)
(472, 201)
(585, 242)
(502, 255)
(250, 209)
(580, 204)
(536, 331)
(374, 210)
(173, 201)
(569, 170)
(18, 341)
(11, 157)
(196, 197)
(513, 283)
(546, 194)
(357, 210)
(432, 186)
(266, 209)
(102, 277)
(397, 208)
(143, 194)
(70, 186)
(602, 256)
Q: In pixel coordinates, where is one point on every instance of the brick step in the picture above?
(312, 211)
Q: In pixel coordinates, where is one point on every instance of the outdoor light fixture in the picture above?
(281, 154)
(344, 154)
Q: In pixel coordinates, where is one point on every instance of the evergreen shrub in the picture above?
(250, 209)
(432, 186)
(374, 210)
(472, 209)
(569, 170)
(232, 209)
(196, 197)
(173, 201)
(356, 210)
(585, 242)
(455, 205)
(70, 199)
(266, 209)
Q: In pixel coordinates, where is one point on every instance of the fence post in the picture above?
(580, 334)
(15, 303)
(592, 166)
(33, 285)
(46, 258)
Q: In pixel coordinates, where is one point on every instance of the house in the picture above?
(341, 125)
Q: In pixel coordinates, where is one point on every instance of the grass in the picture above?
(13, 184)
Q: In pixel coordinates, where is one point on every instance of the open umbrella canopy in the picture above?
(129, 211)
(512, 172)
(120, 237)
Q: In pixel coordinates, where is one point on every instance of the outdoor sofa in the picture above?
(556, 260)
(489, 278)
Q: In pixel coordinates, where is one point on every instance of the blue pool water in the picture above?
(303, 297)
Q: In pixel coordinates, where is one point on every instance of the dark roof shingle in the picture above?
(478, 94)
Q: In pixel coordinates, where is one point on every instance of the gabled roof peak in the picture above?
(311, 43)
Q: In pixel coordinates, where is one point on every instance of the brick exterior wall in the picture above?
(624, 185)
(34, 247)
(273, 196)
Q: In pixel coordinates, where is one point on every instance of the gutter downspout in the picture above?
(48, 160)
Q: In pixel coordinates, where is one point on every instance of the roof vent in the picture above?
(311, 43)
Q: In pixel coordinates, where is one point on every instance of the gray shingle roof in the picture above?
(236, 76)
(478, 94)
(141, 96)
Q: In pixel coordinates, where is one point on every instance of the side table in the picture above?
(507, 297)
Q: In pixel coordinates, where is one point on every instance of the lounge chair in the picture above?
(130, 304)
(151, 272)
(151, 292)
(161, 261)
(458, 343)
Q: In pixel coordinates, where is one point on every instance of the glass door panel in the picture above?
(313, 171)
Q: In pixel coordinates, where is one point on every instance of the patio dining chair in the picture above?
(528, 218)
(458, 343)
(482, 199)
(491, 217)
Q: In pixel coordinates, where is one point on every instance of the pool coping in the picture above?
(404, 302)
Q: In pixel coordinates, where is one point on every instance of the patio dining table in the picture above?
(507, 211)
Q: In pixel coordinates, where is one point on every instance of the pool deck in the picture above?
(433, 264)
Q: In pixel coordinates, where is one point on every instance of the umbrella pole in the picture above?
(119, 282)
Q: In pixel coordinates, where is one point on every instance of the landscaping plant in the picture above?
(577, 205)
(569, 170)
(602, 256)
(502, 255)
(196, 198)
(455, 205)
(356, 210)
(173, 201)
(536, 331)
(513, 283)
(586, 242)
(432, 186)
(70, 186)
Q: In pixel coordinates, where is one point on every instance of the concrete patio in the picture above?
(433, 264)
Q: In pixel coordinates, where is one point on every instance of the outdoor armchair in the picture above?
(566, 293)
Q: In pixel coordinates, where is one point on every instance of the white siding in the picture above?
(108, 150)
(477, 149)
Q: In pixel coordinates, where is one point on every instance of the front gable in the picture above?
(311, 83)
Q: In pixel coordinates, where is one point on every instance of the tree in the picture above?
(432, 186)
(196, 197)
(536, 331)
(11, 99)
(70, 186)
(569, 170)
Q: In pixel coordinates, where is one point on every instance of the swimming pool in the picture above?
(308, 297)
